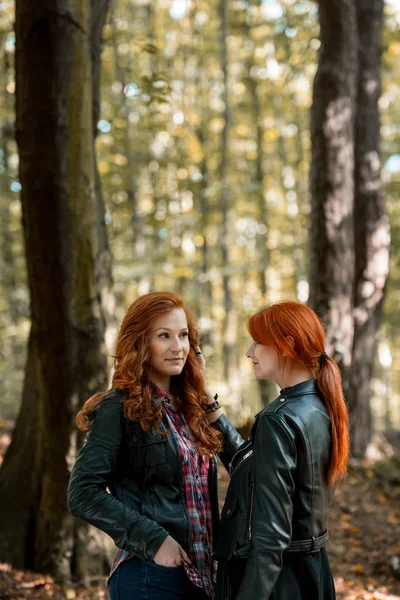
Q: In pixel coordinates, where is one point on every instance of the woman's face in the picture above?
(265, 360)
(169, 344)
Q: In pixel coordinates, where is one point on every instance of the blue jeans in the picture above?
(137, 580)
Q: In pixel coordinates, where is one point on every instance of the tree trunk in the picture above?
(205, 288)
(372, 236)
(130, 168)
(350, 244)
(229, 324)
(332, 172)
(266, 388)
(7, 251)
(68, 273)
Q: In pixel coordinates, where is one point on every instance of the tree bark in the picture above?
(68, 273)
(332, 173)
(350, 239)
(372, 235)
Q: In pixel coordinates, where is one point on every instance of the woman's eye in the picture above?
(184, 334)
(163, 335)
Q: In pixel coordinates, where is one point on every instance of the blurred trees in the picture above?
(159, 145)
(68, 260)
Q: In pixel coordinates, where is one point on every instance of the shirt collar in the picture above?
(158, 393)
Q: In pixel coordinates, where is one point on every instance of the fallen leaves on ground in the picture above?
(26, 585)
(364, 526)
(364, 546)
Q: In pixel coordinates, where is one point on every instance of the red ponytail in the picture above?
(294, 330)
(330, 384)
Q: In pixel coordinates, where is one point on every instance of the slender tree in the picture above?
(372, 236)
(57, 83)
(229, 325)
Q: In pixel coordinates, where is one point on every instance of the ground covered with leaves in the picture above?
(364, 547)
(364, 527)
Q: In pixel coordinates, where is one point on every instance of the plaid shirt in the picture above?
(198, 503)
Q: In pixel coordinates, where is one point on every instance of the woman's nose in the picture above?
(176, 345)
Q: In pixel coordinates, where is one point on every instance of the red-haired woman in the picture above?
(150, 443)
(273, 530)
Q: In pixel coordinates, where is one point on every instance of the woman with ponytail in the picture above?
(273, 531)
(146, 474)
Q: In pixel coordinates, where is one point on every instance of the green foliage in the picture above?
(159, 152)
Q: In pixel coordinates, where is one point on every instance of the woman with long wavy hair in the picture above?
(273, 531)
(146, 474)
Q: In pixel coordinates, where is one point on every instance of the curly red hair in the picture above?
(279, 325)
(131, 361)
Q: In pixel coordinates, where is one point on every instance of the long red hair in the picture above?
(295, 331)
(131, 361)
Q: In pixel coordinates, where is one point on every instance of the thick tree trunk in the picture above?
(350, 244)
(372, 236)
(332, 172)
(64, 240)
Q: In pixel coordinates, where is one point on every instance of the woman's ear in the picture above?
(290, 341)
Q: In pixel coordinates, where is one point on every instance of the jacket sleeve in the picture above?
(231, 439)
(275, 458)
(93, 472)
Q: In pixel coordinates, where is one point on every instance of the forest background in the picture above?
(238, 153)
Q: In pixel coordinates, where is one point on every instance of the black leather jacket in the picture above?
(142, 471)
(278, 497)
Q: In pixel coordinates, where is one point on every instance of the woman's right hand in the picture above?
(201, 361)
(171, 554)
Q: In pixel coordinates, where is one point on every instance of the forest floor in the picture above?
(364, 546)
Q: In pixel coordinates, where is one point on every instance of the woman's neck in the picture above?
(293, 377)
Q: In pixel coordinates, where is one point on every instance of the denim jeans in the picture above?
(137, 580)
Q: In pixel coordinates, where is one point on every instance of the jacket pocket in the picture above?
(229, 509)
(151, 454)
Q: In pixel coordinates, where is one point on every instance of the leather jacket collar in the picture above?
(305, 387)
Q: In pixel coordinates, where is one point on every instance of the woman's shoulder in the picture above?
(299, 411)
(114, 396)
(111, 402)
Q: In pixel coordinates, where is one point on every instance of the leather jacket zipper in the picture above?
(246, 447)
(242, 460)
(250, 509)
